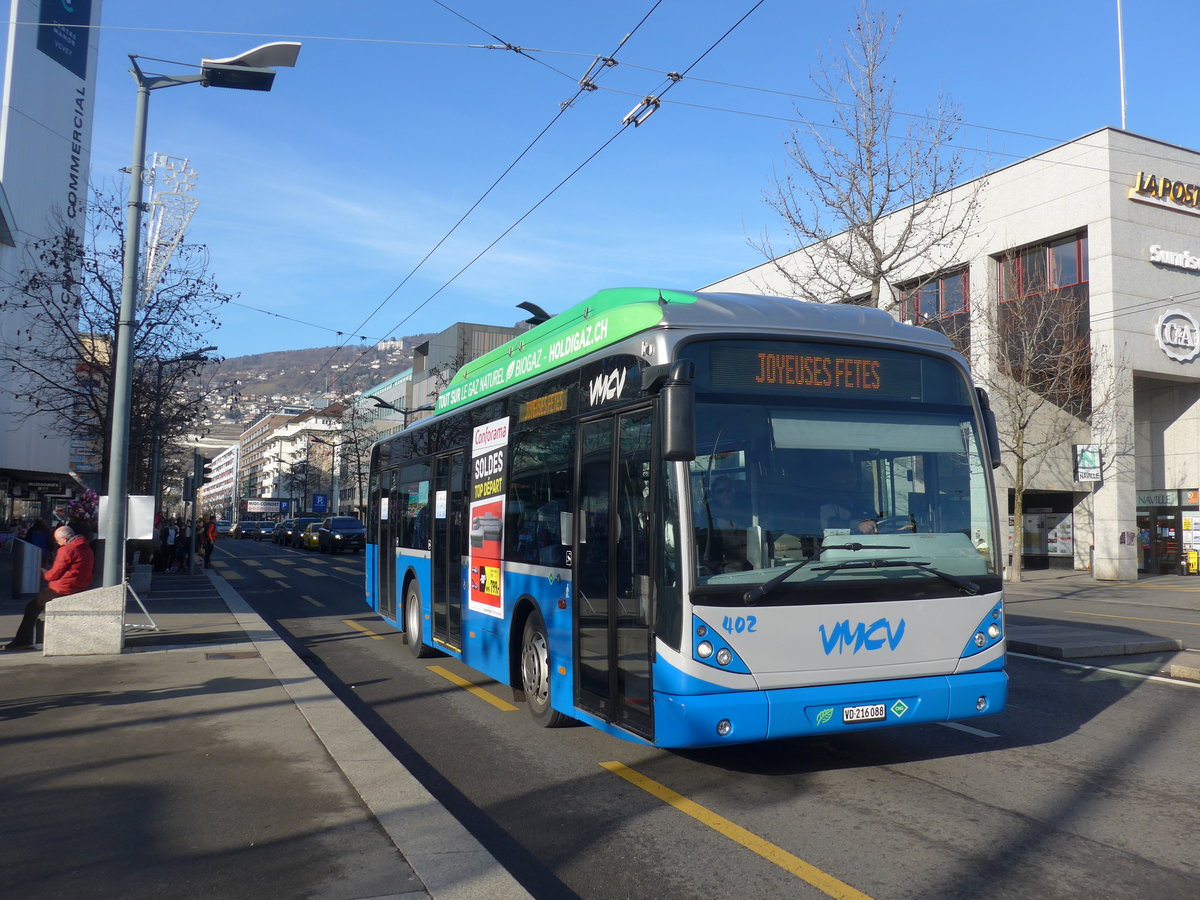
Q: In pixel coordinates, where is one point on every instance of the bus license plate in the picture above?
(875, 712)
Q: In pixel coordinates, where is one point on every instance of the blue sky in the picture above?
(318, 199)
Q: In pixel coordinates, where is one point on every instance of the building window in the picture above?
(933, 298)
(1042, 323)
(1030, 271)
(941, 303)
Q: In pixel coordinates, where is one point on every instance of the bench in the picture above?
(86, 624)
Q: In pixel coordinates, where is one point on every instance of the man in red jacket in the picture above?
(70, 574)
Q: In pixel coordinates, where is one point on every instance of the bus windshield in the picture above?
(836, 484)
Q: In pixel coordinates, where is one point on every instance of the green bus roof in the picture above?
(603, 319)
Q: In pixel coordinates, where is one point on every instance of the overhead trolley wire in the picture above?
(671, 82)
(561, 111)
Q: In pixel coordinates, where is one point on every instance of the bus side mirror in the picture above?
(679, 412)
(989, 426)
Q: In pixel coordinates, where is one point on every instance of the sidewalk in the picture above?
(208, 760)
(1046, 635)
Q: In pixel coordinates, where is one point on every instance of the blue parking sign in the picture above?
(320, 502)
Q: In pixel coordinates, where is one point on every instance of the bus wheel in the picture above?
(412, 623)
(535, 673)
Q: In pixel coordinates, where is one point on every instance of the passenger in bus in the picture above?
(846, 506)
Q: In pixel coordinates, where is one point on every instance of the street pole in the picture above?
(122, 396)
(248, 71)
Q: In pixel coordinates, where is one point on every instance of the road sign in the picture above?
(320, 503)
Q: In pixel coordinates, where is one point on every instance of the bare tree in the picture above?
(355, 457)
(63, 361)
(1049, 388)
(867, 199)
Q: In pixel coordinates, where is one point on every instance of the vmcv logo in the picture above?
(861, 636)
(608, 387)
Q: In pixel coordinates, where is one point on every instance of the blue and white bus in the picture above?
(692, 519)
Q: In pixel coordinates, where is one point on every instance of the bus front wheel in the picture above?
(412, 623)
(535, 673)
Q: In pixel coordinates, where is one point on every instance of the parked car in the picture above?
(224, 526)
(299, 526)
(310, 539)
(341, 533)
(244, 530)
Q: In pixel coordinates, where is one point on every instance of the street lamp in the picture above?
(251, 71)
(195, 355)
(383, 404)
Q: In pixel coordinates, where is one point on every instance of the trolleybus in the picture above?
(692, 519)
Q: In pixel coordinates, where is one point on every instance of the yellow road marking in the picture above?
(347, 571)
(282, 561)
(1151, 586)
(283, 585)
(220, 563)
(804, 871)
(271, 573)
(312, 601)
(251, 562)
(475, 689)
(367, 631)
(232, 575)
(311, 573)
(1078, 612)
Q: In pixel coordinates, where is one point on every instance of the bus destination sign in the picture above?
(852, 374)
(827, 370)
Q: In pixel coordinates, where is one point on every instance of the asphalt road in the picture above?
(1085, 787)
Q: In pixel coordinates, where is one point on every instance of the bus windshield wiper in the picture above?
(963, 584)
(753, 595)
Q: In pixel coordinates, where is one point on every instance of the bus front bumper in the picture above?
(707, 720)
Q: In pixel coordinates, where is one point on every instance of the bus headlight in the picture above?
(724, 657)
(993, 631)
(980, 639)
(704, 650)
(981, 704)
(724, 727)
(701, 630)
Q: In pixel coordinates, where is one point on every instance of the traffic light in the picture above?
(189, 488)
(204, 470)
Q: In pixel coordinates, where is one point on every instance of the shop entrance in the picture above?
(1159, 535)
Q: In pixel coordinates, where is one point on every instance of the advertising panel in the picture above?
(489, 447)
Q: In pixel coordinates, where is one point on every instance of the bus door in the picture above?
(386, 532)
(449, 544)
(611, 570)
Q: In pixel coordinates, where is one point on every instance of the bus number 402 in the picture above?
(740, 624)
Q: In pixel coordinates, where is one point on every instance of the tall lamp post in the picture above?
(383, 404)
(196, 356)
(251, 71)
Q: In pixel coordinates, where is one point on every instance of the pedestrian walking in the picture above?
(210, 540)
(165, 558)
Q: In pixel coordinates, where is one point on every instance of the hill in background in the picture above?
(247, 387)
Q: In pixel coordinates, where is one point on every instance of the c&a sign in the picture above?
(1178, 334)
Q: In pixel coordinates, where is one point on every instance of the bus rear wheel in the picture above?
(535, 673)
(412, 623)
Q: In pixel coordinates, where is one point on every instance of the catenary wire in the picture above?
(561, 112)
(529, 53)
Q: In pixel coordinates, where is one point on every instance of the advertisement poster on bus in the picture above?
(489, 446)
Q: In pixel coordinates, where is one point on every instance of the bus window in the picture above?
(539, 496)
(412, 500)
